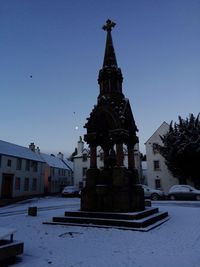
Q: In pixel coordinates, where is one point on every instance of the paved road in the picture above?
(22, 207)
(195, 204)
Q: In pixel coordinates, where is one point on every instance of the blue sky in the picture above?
(60, 44)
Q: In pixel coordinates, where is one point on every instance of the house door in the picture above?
(7, 186)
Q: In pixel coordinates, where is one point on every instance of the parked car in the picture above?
(70, 191)
(185, 192)
(151, 193)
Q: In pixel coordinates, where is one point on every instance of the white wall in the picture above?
(166, 178)
(22, 174)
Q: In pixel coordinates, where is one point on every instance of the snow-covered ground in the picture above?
(176, 243)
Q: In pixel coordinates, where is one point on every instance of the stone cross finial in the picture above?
(109, 25)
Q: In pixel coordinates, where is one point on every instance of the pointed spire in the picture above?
(109, 56)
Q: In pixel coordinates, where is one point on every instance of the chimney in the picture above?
(80, 146)
(37, 150)
(32, 147)
(60, 155)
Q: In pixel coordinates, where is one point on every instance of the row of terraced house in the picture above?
(25, 171)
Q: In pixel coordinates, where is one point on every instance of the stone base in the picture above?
(139, 221)
(111, 191)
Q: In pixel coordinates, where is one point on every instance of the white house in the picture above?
(158, 175)
(82, 162)
(26, 172)
(20, 171)
(144, 172)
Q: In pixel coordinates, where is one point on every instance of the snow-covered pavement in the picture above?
(176, 243)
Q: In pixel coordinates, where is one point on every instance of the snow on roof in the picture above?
(18, 151)
(164, 126)
(85, 151)
(68, 163)
(54, 161)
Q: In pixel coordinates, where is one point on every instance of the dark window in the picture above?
(80, 185)
(26, 184)
(182, 180)
(17, 184)
(52, 171)
(34, 166)
(155, 148)
(156, 165)
(27, 165)
(157, 183)
(101, 156)
(84, 157)
(84, 172)
(19, 164)
(34, 184)
(9, 163)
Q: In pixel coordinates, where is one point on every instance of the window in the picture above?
(84, 171)
(182, 180)
(157, 183)
(17, 184)
(84, 157)
(19, 164)
(26, 184)
(34, 166)
(155, 148)
(34, 184)
(52, 171)
(9, 163)
(101, 156)
(61, 172)
(27, 165)
(156, 165)
(80, 185)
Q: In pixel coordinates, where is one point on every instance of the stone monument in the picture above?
(111, 126)
(112, 196)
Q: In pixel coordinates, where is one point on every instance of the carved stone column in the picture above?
(93, 156)
(106, 156)
(119, 155)
(131, 159)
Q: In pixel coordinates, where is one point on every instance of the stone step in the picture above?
(127, 223)
(113, 215)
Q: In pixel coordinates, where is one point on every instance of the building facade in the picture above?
(56, 171)
(57, 174)
(157, 173)
(27, 172)
(20, 171)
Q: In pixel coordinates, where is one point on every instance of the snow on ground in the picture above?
(176, 243)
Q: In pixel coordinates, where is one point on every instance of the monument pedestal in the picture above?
(111, 190)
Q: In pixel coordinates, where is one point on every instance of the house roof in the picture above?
(163, 125)
(85, 151)
(68, 163)
(13, 150)
(54, 161)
